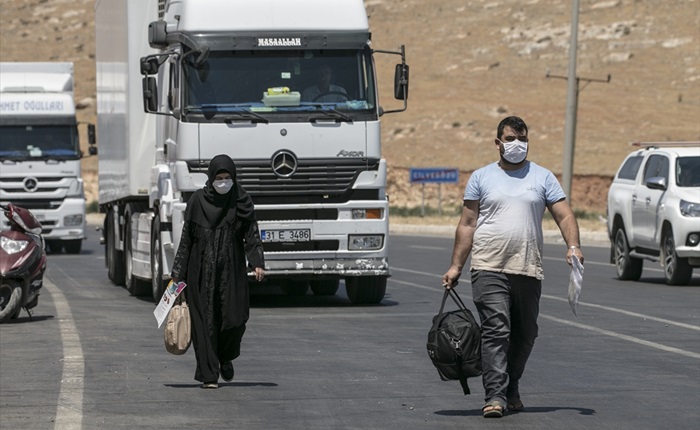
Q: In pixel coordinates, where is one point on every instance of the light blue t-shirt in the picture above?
(508, 236)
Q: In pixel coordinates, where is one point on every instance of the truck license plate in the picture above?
(300, 235)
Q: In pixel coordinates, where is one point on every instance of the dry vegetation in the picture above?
(473, 62)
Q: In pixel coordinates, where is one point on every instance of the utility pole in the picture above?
(571, 103)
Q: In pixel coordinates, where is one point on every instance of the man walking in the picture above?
(501, 227)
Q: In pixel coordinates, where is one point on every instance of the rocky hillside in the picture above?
(473, 62)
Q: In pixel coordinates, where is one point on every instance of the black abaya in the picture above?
(211, 259)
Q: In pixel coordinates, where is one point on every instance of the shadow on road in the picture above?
(528, 410)
(226, 384)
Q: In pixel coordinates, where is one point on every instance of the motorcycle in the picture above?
(22, 262)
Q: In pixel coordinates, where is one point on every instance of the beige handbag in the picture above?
(177, 328)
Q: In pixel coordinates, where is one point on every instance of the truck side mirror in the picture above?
(401, 82)
(150, 94)
(158, 34)
(149, 65)
(92, 150)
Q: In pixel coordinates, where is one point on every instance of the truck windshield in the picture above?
(30, 142)
(280, 82)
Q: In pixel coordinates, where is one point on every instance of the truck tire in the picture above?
(293, 287)
(627, 267)
(677, 271)
(325, 287)
(115, 258)
(54, 246)
(158, 284)
(73, 246)
(134, 286)
(365, 290)
(10, 299)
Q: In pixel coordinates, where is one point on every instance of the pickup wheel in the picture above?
(677, 271)
(628, 268)
(325, 287)
(365, 290)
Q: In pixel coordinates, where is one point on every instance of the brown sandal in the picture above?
(493, 409)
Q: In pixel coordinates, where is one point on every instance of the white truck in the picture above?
(288, 89)
(39, 150)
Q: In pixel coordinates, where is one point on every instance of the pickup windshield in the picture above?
(32, 142)
(688, 171)
(280, 81)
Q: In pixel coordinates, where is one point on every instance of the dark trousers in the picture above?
(508, 307)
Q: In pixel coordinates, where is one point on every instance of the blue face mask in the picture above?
(514, 152)
(223, 186)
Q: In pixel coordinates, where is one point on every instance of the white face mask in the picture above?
(223, 186)
(514, 152)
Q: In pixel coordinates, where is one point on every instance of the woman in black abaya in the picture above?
(219, 232)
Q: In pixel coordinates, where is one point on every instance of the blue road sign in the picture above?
(438, 175)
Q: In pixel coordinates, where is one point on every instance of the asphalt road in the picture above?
(92, 356)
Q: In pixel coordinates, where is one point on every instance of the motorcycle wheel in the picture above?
(10, 299)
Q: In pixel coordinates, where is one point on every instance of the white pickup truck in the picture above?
(654, 211)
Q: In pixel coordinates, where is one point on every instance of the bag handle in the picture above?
(454, 296)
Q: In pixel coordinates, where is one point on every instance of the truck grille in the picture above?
(331, 177)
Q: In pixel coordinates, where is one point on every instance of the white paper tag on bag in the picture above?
(575, 282)
(167, 301)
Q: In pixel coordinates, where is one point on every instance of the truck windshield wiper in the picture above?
(245, 114)
(333, 114)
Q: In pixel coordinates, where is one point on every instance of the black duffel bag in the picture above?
(454, 343)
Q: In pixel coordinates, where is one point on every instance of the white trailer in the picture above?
(40, 152)
(179, 82)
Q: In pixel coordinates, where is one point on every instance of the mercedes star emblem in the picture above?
(284, 164)
(30, 184)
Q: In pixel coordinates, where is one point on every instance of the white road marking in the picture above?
(624, 312)
(427, 247)
(69, 410)
(624, 337)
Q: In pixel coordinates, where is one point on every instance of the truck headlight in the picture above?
(690, 209)
(72, 220)
(358, 242)
(12, 246)
(366, 214)
(76, 189)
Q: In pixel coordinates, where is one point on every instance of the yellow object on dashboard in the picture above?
(277, 90)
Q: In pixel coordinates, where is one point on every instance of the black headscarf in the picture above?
(210, 209)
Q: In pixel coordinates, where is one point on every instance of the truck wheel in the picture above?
(135, 287)
(54, 246)
(73, 246)
(294, 288)
(677, 271)
(365, 290)
(10, 299)
(158, 284)
(115, 258)
(628, 268)
(325, 287)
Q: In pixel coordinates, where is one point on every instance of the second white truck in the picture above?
(288, 89)
(40, 152)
